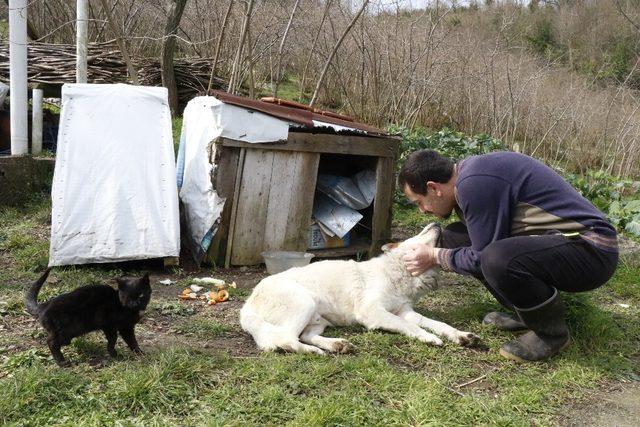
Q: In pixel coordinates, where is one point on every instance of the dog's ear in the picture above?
(426, 229)
(388, 246)
(431, 282)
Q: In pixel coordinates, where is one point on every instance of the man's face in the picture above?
(436, 202)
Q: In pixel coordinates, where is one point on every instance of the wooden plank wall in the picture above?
(381, 221)
(253, 201)
(293, 184)
(226, 159)
(329, 143)
(274, 203)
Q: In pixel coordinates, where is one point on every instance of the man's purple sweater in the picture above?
(507, 194)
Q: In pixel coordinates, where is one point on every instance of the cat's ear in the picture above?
(121, 282)
(145, 278)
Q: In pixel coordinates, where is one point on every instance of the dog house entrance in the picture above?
(343, 203)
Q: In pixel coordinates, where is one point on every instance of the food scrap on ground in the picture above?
(212, 297)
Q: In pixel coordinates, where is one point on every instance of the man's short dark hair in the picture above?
(422, 166)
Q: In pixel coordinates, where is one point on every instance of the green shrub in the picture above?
(542, 39)
(619, 199)
(450, 143)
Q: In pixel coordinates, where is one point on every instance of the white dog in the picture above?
(291, 309)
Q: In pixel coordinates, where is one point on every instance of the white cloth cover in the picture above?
(205, 119)
(114, 196)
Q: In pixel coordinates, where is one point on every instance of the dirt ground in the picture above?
(612, 405)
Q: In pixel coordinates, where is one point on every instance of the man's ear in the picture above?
(435, 187)
(388, 246)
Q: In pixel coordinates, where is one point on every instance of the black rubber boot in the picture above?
(504, 321)
(548, 336)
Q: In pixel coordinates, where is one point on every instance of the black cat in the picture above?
(91, 308)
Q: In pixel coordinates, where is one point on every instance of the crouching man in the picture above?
(524, 232)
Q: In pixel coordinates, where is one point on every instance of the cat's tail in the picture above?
(31, 296)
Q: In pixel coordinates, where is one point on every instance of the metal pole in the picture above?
(18, 77)
(81, 41)
(36, 121)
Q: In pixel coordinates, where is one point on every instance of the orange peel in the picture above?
(223, 295)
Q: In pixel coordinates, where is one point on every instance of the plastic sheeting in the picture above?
(114, 196)
(338, 218)
(204, 120)
(356, 192)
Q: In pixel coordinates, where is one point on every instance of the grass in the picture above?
(390, 379)
(176, 129)
(204, 328)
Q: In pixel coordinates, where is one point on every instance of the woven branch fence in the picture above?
(55, 64)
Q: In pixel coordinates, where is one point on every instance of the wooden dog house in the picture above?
(270, 187)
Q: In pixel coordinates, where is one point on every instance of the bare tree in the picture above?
(313, 47)
(625, 15)
(235, 71)
(133, 74)
(31, 32)
(216, 55)
(333, 52)
(174, 14)
(280, 49)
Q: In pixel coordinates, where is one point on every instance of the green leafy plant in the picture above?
(447, 142)
(626, 214)
(619, 199)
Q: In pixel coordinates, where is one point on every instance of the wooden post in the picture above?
(234, 209)
(82, 25)
(224, 182)
(18, 77)
(36, 122)
(381, 221)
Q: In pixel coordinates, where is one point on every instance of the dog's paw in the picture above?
(64, 363)
(343, 346)
(431, 339)
(469, 339)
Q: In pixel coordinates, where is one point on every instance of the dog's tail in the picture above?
(31, 296)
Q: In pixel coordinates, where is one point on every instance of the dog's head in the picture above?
(429, 236)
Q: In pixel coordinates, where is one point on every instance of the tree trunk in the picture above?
(333, 53)
(174, 14)
(31, 32)
(281, 48)
(216, 55)
(313, 47)
(235, 71)
(133, 74)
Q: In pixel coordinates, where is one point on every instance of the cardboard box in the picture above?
(317, 239)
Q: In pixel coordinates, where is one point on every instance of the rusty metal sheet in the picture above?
(295, 112)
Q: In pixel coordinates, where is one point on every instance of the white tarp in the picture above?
(204, 120)
(114, 196)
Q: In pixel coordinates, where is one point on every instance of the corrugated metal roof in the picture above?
(295, 112)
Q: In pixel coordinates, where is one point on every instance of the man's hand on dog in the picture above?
(420, 258)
